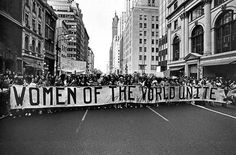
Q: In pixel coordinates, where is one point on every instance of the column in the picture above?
(213, 41)
(186, 37)
(169, 43)
(207, 21)
(182, 39)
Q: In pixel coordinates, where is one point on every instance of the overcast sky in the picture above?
(97, 17)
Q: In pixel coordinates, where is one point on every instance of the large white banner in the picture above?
(46, 97)
(69, 65)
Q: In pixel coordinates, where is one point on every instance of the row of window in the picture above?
(34, 7)
(32, 47)
(145, 57)
(34, 24)
(144, 41)
(144, 25)
(225, 36)
(145, 17)
(144, 49)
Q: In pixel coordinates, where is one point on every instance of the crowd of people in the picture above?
(10, 78)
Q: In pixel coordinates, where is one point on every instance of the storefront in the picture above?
(32, 66)
(224, 67)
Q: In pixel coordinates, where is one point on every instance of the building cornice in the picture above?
(4, 14)
(178, 9)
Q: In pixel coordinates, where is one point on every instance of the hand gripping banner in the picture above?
(48, 97)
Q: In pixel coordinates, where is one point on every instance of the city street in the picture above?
(174, 129)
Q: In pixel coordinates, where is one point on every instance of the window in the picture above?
(140, 57)
(40, 13)
(197, 12)
(145, 17)
(145, 49)
(33, 45)
(39, 29)
(153, 26)
(153, 49)
(140, 17)
(218, 2)
(140, 49)
(197, 40)
(157, 26)
(140, 25)
(157, 33)
(175, 24)
(153, 2)
(152, 41)
(152, 18)
(149, 2)
(152, 58)
(225, 32)
(156, 58)
(142, 67)
(156, 42)
(145, 41)
(157, 50)
(145, 33)
(39, 47)
(34, 7)
(26, 42)
(176, 48)
(153, 67)
(176, 5)
(153, 34)
(157, 18)
(33, 25)
(145, 25)
(140, 41)
(145, 57)
(27, 20)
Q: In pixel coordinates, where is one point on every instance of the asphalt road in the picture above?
(182, 130)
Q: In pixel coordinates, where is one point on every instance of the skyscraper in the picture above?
(141, 36)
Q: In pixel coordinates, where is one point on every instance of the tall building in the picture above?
(11, 36)
(62, 39)
(201, 38)
(69, 11)
(163, 12)
(32, 45)
(115, 22)
(141, 36)
(50, 54)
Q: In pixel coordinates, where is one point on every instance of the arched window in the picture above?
(197, 40)
(225, 28)
(26, 42)
(176, 48)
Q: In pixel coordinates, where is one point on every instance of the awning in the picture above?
(32, 64)
(176, 68)
(219, 62)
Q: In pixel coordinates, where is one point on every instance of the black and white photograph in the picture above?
(118, 77)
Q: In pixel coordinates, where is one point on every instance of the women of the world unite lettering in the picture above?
(41, 97)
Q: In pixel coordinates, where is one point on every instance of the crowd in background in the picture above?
(10, 78)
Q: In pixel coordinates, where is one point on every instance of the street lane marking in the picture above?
(84, 115)
(80, 123)
(215, 111)
(158, 114)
